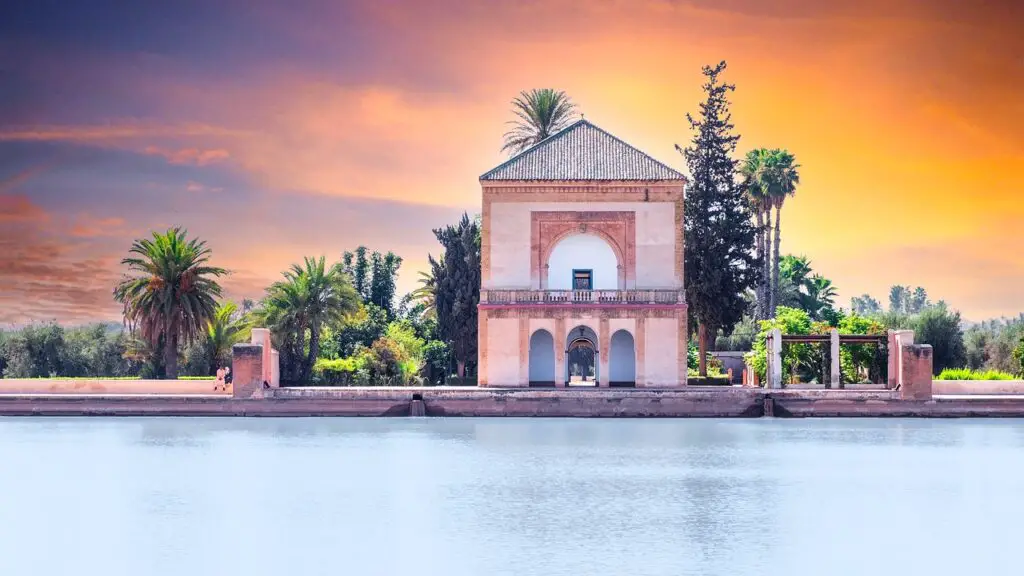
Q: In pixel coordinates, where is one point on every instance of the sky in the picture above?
(277, 130)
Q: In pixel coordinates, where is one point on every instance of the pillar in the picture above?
(915, 378)
(604, 350)
(247, 371)
(275, 369)
(559, 352)
(775, 359)
(261, 337)
(524, 352)
(481, 343)
(891, 378)
(640, 341)
(834, 375)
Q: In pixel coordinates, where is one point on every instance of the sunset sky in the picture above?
(276, 130)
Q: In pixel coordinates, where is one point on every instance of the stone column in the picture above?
(481, 361)
(559, 352)
(890, 382)
(524, 352)
(916, 372)
(275, 369)
(604, 350)
(775, 360)
(898, 339)
(640, 341)
(834, 376)
(247, 371)
(261, 337)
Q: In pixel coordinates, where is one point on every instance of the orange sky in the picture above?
(277, 133)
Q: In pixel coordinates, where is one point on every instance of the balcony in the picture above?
(588, 297)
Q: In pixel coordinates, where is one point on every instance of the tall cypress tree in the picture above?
(719, 234)
(457, 289)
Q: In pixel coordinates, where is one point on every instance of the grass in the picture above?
(968, 374)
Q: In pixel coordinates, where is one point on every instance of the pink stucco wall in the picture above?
(101, 386)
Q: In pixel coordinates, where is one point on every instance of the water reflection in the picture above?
(509, 496)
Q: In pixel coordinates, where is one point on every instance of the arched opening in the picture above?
(542, 359)
(581, 360)
(582, 262)
(622, 360)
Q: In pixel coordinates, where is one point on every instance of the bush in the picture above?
(968, 374)
(1018, 355)
(339, 372)
(940, 328)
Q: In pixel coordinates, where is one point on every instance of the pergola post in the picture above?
(834, 377)
(775, 359)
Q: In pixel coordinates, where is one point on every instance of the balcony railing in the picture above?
(582, 297)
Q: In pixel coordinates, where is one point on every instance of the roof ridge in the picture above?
(576, 153)
(533, 147)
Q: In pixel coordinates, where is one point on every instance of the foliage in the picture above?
(968, 374)
(719, 236)
(1018, 355)
(801, 288)
(795, 357)
(223, 331)
(541, 113)
(994, 343)
(940, 328)
(373, 276)
(310, 297)
(171, 292)
(435, 361)
(341, 371)
(49, 350)
(769, 176)
(904, 301)
(861, 361)
(457, 289)
(359, 330)
(865, 305)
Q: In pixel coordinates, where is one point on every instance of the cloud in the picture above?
(189, 155)
(196, 187)
(87, 226)
(110, 133)
(18, 208)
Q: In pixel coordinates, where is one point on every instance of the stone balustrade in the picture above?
(638, 297)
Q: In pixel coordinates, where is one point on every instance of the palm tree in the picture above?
(757, 182)
(172, 294)
(223, 331)
(784, 178)
(821, 296)
(541, 113)
(310, 296)
(425, 293)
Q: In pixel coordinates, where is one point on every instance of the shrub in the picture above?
(794, 356)
(968, 374)
(339, 372)
(1018, 355)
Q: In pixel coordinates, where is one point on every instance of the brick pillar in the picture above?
(834, 373)
(916, 372)
(559, 352)
(247, 371)
(604, 350)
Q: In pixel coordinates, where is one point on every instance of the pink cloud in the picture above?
(197, 156)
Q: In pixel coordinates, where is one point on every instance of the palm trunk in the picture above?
(702, 349)
(171, 355)
(775, 259)
(460, 369)
(314, 350)
(769, 310)
(759, 305)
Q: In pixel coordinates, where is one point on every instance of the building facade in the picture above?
(582, 267)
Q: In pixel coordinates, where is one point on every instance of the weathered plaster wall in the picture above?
(510, 240)
(660, 365)
(101, 386)
(503, 362)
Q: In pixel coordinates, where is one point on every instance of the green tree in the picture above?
(382, 285)
(1018, 356)
(360, 330)
(170, 293)
(865, 305)
(899, 300)
(784, 178)
(719, 234)
(940, 328)
(757, 185)
(540, 113)
(223, 331)
(310, 296)
(456, 288)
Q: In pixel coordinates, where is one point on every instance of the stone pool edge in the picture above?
(689, 402)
